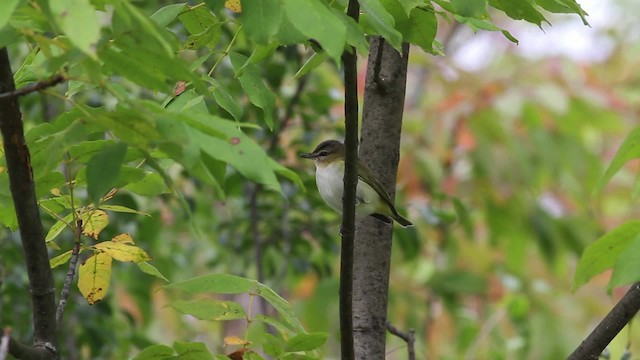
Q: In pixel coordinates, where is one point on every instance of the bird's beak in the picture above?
(308, 156)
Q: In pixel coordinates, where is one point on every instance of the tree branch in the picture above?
(24, 199)
(71, 272)
(347, 229)
(40, 85)
(409, 338)
(609, 327)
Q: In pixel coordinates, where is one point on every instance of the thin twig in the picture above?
(71, 272)
(40, 85)
(409, 337)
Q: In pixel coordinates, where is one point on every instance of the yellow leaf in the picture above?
(93, 222)
(123, 252)
(56, 192)
(93, 277)
(233, 5)
(123, 239)
(234, 340)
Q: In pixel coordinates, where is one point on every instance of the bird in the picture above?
(371, 197)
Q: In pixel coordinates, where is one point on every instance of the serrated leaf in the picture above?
(72, 15)
(261, 19)
(306, 342)
(94, 276)
(316, 21)
(147, 268)
(469, 8)
(103, 170)
(604, 252)
(251, 80)
(60, 259)
(209, 309)
(382, 21)
(123, 252)
(225, 100)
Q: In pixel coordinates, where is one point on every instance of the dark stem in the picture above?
(71, 272)
(40, 85)
(23, 193)
(349, 60)
(609, 327)
(408, 337)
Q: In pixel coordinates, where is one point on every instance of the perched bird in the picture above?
(371, 198)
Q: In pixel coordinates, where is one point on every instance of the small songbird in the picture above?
(371, 198)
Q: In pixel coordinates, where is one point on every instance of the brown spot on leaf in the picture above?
(234, 140)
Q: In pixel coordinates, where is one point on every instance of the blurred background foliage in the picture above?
(502, 148)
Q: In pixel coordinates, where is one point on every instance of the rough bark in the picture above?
(32, 235)
(381, 125)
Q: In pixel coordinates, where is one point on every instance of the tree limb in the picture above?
(71, 272)
(609, 327)
(382, 113)
(409, 337)
(23, 193)
(40, 85)
(347, 229)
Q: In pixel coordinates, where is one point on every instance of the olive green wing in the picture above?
(364, 172)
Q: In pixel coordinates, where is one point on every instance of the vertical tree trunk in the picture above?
(31, 232)
(381, 125)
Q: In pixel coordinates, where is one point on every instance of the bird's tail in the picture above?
(401, 220)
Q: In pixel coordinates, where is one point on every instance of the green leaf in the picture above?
(155, 352)
(72, 15)
(564, 7)
(316, 21)
(261, 19)
(382, 21)
(273, 346)
(469, 8)
(520, 10)
(130, 67)
(627, 267)
(215, 283)
(192, 351)
(164, 16)
(224, 99)
(259, 94)
(630, 149)
(423, 28)
(604, 252)
(6, 9)
(57, 228)
(306, 342)
(103, 170)
(313, 62)
(152, 184)
(8, 216)
(147, 268)
(60, 259)
(122, 209)
(209, 309)
(198, 19)
(281, 305)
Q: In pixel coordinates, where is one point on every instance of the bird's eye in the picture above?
(322, 153)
